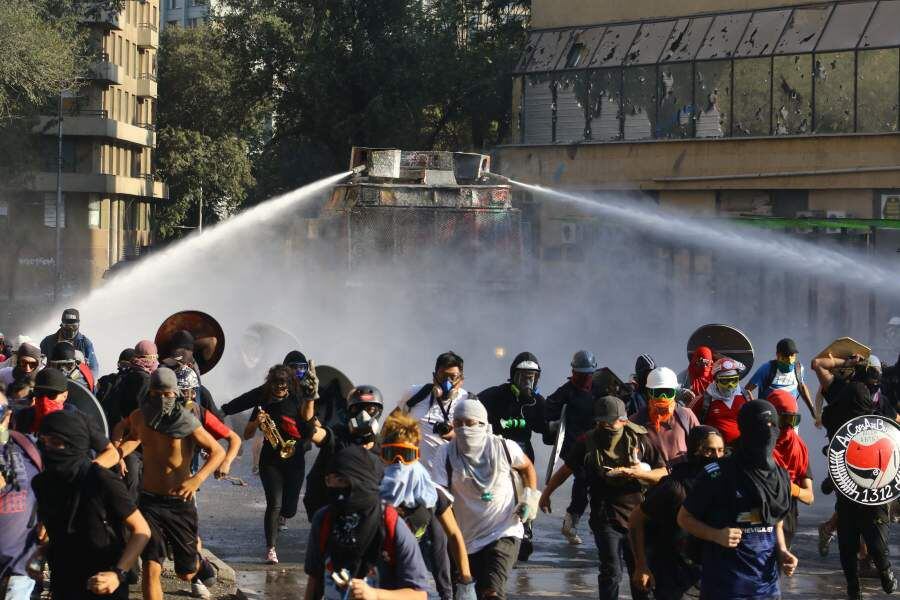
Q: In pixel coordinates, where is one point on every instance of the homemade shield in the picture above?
(209, 339)
(85, 401)
(723, 340)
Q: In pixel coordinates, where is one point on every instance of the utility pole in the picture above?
(57, 283)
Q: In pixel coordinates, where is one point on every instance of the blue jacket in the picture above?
(81, 342)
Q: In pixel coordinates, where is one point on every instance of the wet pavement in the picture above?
(231, 526)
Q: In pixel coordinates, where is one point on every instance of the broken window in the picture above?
(649, 43)
(803, 30)
(845, 26)
(615, 44)
(571, 100)
(548, 51)
(752, 96)
(581, 47)
(762, 33)
(833, 72)
(712, 93)
(676, 101)
(533, 39)
(639, 103)
(876, 90)
(883, 29)
(537, 110)
(685, 39)
(792, 94)
(605, 110)
(724, 35)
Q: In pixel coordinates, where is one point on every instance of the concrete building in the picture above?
(774, 109)
(185, 13)
(108, 189)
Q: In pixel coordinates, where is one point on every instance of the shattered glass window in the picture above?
(884, 28)
(649, 43)
(712, 93)
(616, 42)
(803, 30)
(605, 109)
(676, 101)
(752, 96)
(792, 94)
(571, 102)
(581, 47)
(537, 110)
(639, 103)
(723, 36)
(685, 39)
(548, 51)
(845, 26)
(876, 90)
(533, 39)
(762, 33)
(833, 73)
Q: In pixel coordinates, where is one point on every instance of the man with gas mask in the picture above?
(723, 399)
(577, 396)
(168, 435)
(364, 409)
(432, 405)
(63, 357)
(848, 397)
(736, 507)
(479, 470)
(515, 411)
(359, 548)
(69, 332)
(619, 462)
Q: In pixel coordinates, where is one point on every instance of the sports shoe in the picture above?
(199, 590)
(271, 557)
(825, 539)
(282, 524)
(888, 581)
(569, 526)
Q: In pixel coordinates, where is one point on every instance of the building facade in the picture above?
(776, 110)
(185, 13)
(108, 188)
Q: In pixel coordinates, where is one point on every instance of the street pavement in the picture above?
(231, 526)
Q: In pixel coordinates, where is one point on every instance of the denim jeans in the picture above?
(612, 548)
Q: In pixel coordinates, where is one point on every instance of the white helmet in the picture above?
(662, 378)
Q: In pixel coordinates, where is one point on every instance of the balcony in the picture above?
(146, 86)
(96, 123)
(98, 183)
(106, 72)
(109, 19)
(148, 36)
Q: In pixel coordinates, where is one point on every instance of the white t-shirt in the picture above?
(483, 522)
(429, 412)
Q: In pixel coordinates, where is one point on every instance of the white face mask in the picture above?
(471, 440)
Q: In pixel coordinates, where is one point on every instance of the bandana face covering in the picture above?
(660, 411)
(43, 406)
(167, 416)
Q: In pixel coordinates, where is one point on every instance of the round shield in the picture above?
(723, 340)
(85, 401)
(864, 460)
(209, 339)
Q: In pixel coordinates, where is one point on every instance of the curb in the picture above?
(226, 574)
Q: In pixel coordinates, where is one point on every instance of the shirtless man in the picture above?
(169, 435)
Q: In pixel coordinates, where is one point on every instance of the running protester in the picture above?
(664, 557)
(407, 486)
(699, 372)
(744, 544)
(69, 332)
(723, 399)
(359, 547)
(432, 405)
(619, 462)
(168, 435)
(667, 422)
(109, 383)
(85, 509)
(515, 411)
(577, 396)
(478, 469)
(784, 373)
(792, 454)
(281, 469)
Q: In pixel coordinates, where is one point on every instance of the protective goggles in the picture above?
(400, 452)
(730, 380)
(300, 369)
(663, 393)
(786, 420)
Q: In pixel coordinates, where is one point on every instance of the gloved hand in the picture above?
(528, 507)
(309, 385)
(465, 591)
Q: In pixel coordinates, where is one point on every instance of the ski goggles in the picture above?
(786, 420)
(400, 452)
(663, 393)
(730, 380)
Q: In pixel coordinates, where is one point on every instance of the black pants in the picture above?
(612, 548)
(492, 565)
(282, 481)
(434, 551)
(868, 522)
(579, 494)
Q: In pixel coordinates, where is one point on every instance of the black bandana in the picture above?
(70, 463)
(758, 423)
(168, 416)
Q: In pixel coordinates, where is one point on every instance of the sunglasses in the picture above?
(399, 453)
(665, 393)
(786, 420)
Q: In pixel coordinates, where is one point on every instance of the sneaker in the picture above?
(282, 524)
(825, 539)
(199, 590)
(888, 581)
(271, 557)
(570, 524)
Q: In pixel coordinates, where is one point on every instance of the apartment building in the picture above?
(185, 13)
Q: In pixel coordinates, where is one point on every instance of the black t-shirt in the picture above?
(132, 389)
(502, 405)
(91, 540)
(612, 498)
(579, 411)
(662, 503)
(286, 415)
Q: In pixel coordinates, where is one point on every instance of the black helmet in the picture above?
(524, 361)
(363, 396)
(62, 352)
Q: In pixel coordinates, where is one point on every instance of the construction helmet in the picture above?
(584, 362)
(662, 378)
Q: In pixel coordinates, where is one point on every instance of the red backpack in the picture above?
(389, 515)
